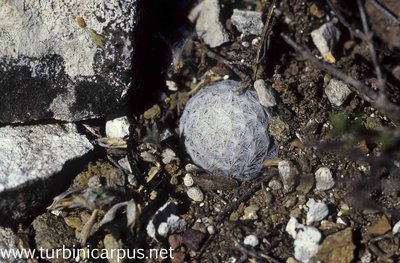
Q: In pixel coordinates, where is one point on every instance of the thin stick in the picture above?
(378, 100)
(394, 19)
(264, 45)
(340, 16)
(371, 46)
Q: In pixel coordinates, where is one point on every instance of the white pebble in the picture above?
(306, 239)
(195, 194)
(325, 38)
(251, 240)
(211, 230)
(188, 180)
(117, 128)
(396, 228)
(324, 179)
(316, 211)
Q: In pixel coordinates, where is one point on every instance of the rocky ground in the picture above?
(331, 72)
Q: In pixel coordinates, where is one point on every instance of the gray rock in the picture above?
(288, 173)
(209, 27)
(195, 194)
(325, 39)
(8, 242)
(54, 65)
(30, 159)
(337, 92)
(316, 211)
(264, 93)
(247, 22)
(324, 179)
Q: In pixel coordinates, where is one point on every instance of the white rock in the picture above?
(287, 173)
(316, 211)
(188, 180)
(168, 156)
(165, 221)
(247, 22)
(172, 86)
(118, 128)
(337, 92)
(195, 194)
(304, 250)
(211, 230)
(306, 239)
(251, 240)
(325, 38)
(32, 155)
(324, 179)
(291, 227)
(209, 27)
(396, 228)
(264, 93)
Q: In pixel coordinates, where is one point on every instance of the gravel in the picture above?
(324, 179)
(316, 211)
(337, 92)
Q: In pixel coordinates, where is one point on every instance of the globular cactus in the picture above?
(225, 133)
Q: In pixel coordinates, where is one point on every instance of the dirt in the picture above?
(366, 189)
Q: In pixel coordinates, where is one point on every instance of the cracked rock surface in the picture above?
(64, 60)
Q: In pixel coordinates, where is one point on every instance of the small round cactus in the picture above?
(225, 133)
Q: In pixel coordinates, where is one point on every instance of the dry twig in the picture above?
(377, 99)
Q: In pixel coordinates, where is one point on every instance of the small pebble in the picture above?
(172, 86)
(306, 239)
(251, 240)
(337, 92)
(264, 93)
(247, 22)
(287, 173)
(250, 212)
(191, 168)
(316, 211)
(275, 184)
(195, 194)
(325, 39)
(211, 230)
(245, 44)
(209, 27)
(396, 228)
(168, 156)
(324, 179)
(188, 180)
(117, 128)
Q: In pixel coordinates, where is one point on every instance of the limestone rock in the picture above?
(64, 60)
(209, 26)
(247, 22)
(31, 158)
